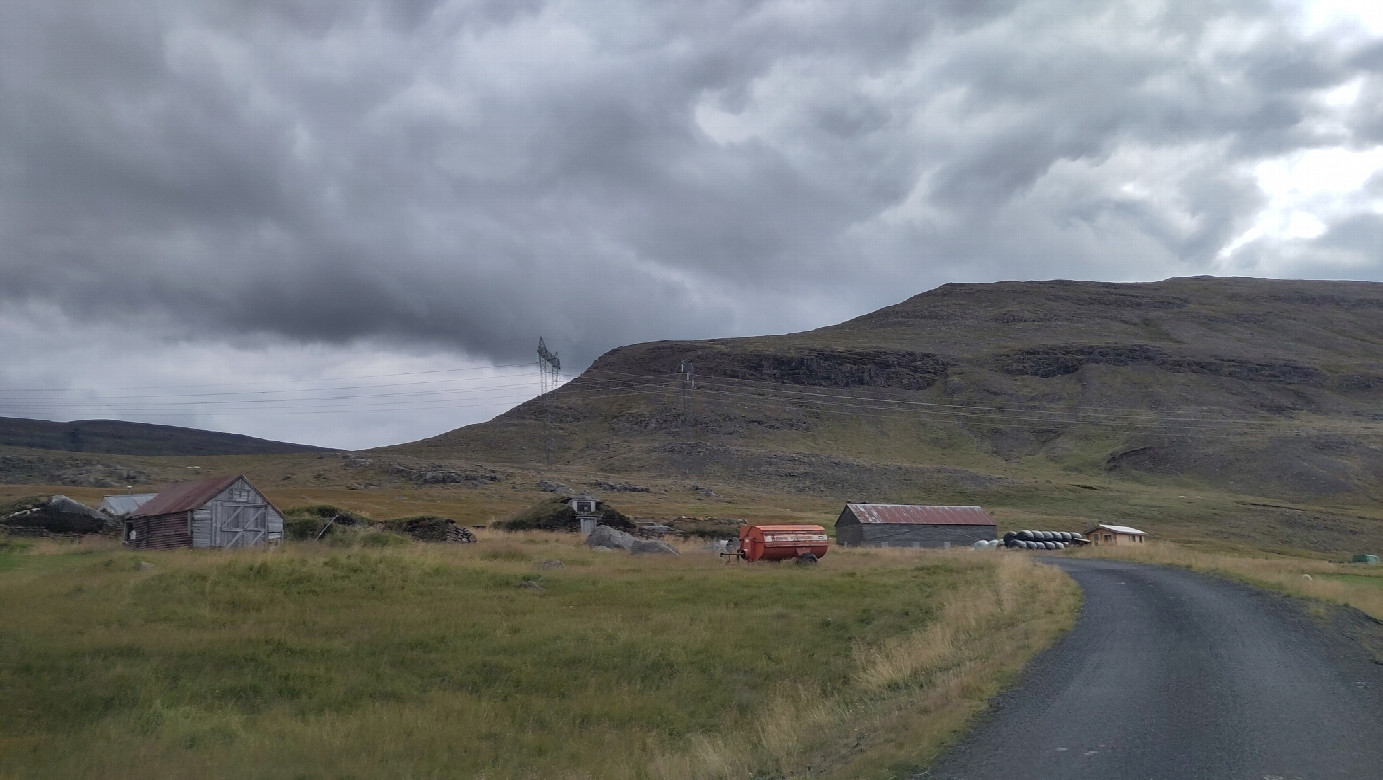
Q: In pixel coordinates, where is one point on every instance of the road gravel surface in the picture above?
(1173, 674)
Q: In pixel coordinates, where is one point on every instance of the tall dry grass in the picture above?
(908, 695)
(1355, 585)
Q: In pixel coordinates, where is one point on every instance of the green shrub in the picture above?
(363, 536)
(424, 528)
(302, 523)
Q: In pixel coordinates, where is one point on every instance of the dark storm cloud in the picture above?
(474, 174)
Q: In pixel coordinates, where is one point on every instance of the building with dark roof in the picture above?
(911, 525)
(214, 512)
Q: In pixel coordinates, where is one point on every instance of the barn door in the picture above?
(241, 525)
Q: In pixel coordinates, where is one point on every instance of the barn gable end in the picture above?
(215, 512)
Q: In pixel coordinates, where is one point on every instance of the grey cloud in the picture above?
(474, 174)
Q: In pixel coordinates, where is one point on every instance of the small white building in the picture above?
(587, 510)
(1115, 535)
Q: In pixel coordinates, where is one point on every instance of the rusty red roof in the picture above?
(183, 496)
(913, 514)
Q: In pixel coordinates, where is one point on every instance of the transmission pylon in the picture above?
(549, 373)
(549, 367)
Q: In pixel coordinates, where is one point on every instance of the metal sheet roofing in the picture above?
(1120, 529)
(913, 514)
(125, 503)
(184, 496)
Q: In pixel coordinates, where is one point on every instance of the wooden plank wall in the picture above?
(164, 532)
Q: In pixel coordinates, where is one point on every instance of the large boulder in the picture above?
(652, 547)
(613, 538)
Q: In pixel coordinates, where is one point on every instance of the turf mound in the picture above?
(42, 515)
(556, 514)
(429, 528)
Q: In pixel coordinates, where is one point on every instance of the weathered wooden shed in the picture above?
(912, 525)
(213, 512)
(1116, 535)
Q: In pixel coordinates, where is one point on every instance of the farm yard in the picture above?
(488, 659)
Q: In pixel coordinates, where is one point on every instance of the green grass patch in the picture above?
(1357, 579)
(440, 660)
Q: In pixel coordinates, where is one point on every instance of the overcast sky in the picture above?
(347, 222)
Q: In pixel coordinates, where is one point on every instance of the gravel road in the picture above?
(1171, 674)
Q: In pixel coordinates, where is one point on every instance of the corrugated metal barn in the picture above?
(911, 525)
(214, 512)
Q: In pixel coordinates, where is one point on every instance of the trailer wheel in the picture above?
(806, 559)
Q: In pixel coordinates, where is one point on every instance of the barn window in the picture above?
(240, 494)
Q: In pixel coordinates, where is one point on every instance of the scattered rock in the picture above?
(433, 474)
(554, 487)
(605, 536)
(551, 565)
(144, 566)
(620, 487)
(531, 585)
(652, 547)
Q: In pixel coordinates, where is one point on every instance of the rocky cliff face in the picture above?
(1257, 386)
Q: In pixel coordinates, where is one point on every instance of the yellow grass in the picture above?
(1355, 585)
(909, 695)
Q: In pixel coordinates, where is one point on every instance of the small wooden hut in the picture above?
(1116, 535)
(214, 512)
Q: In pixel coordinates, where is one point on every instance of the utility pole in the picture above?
(688, 372)
(549, 369)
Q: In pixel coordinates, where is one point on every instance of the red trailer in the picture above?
(780, 542)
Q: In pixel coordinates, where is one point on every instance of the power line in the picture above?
(278, 381)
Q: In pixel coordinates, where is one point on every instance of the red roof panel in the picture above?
(913, 514)
(183, 496)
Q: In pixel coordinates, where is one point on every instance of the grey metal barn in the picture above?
(911, 525)
(215, 512)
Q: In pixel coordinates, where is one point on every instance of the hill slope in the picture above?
(1251, 387)
(115, 437)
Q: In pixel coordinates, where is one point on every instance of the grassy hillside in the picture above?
(1263, 400)
(127, 438)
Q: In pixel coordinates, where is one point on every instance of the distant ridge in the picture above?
(115, 437)
(1254, 386)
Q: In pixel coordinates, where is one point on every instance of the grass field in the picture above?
(444, 661)
(1354, 585)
